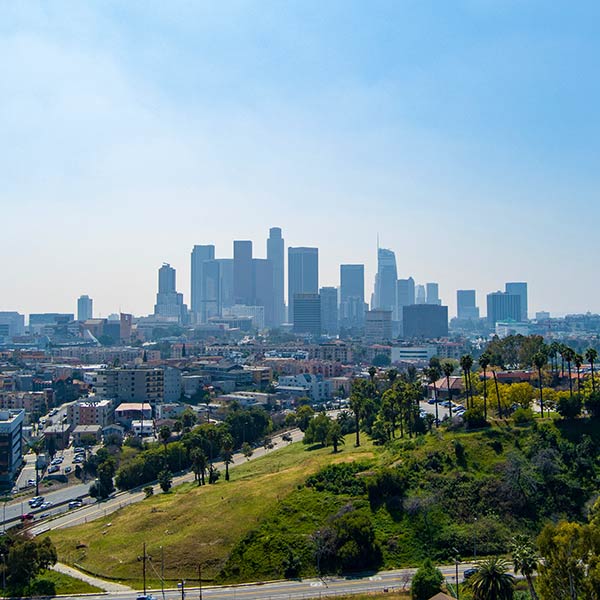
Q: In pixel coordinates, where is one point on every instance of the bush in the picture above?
(569, 407)
(523, 415)
(474, 418)
(338, 479)
(426, 582)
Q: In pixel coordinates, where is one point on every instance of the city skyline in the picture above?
(462, 135)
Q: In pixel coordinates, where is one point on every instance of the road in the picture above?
(96, 510)
(295, 589)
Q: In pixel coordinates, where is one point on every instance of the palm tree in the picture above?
(392, 374)
(433, 374)
(561, 350)
(525, 561)
(448, 369)
(372, 372)
(466, 363)
(553, 354)
(539, 360)
(199, 464)
(227, 452)
(568, 354)
(578, 361)
(484, 363)
(164, 434)
(492, 581)
(357, 402)
(591, 355)
(37, 447)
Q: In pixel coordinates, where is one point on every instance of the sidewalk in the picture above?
(108, 586)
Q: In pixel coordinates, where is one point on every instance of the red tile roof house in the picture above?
(457, 386)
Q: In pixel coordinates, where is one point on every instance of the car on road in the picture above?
(75, 504)
(27, 517)
(145, 597)
(469, 573)
(47, 504)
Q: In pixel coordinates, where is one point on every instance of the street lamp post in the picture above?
(475, 539)
(456, 561)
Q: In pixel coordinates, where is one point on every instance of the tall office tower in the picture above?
(263, 288)
(405, 294)
(303, 273)
(425, 321)
(384, 297)
(433, 294)
(210, 291)
(200, 255)
(420, 295)
(275, 253)
(466, 307)
(329, 310)
(11, 324)
(169, 303)
(502, 306)
(352, 295)
(519, 289)
(84, 308)
(307, 313)
(226, 282)
(243, 275)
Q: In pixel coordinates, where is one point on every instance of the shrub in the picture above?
(523, 415)
(426, 582)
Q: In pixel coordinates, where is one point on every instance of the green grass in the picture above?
(52, 583)
(194, 524)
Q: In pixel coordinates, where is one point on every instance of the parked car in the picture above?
(78, 459)
(30, 482)
(431, 401)
(68, 469)
(53, 469)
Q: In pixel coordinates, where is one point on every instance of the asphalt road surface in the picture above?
(293, 589)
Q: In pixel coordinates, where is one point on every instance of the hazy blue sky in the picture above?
(465, 133)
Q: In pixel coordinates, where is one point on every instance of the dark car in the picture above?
(469, 573)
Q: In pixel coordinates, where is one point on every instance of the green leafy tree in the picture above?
(569, 569)
(318, 430)
(592, 404)
(492, 581)
(165, 480)
(27, 558)
(335, 437)
(426, 582)
(569, 407)
(304, 415)
(104, 485)
(247, 450)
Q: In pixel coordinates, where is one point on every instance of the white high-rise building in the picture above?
(85, 309)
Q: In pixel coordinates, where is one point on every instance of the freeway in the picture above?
(90, 512)
(293, 589)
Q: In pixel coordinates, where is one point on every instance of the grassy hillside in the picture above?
(407, 500)
(194, 524)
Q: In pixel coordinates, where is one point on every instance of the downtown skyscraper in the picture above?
(303, 274)
(384, 296)
(352, 295)
(275, 254)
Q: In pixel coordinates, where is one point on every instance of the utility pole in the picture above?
(162, 571)
(199, 581)
(144, 567)
(183, 589)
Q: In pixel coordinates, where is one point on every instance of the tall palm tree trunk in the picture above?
(541, 392)
(485, 393)
(593, 382)
(570, 380)
(437, 420)
(449, 395)
(497, 393)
